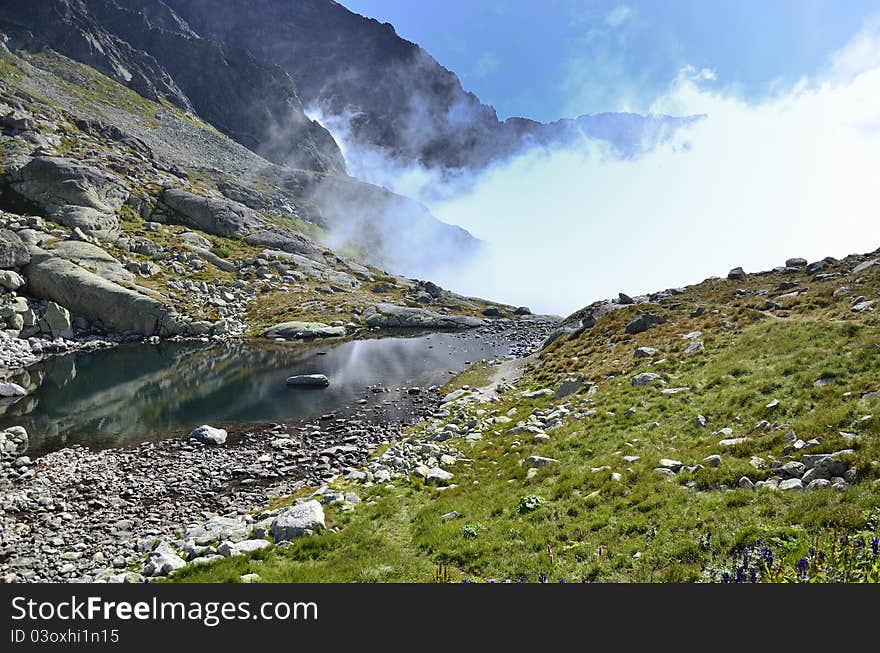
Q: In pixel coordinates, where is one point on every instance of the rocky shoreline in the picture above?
(77, 515)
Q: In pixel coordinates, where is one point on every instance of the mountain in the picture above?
(398, 96)
(146, 46)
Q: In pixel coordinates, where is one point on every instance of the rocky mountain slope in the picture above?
(722, 432)
(402, 99)
(121, 217)
(183, 83)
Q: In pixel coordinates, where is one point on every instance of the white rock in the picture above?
(298, 521)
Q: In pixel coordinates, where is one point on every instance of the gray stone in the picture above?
(100, 301)
(796, 263)
(94, 259)
(792, 485)
(208, 435)
(13, 251)
(9, 389)
(11, 280)
(219, 216)
(229, 549)
(298, 521)
(669, 463)
(57, 319)
(713, 461)
(736, 274)
(303, 331)
(646, 378)
(644, 322)
(437, 476)
(745, 483)
(308, 381)
(818, 484)
(540, 461)
(218, 528)
(74, 194)
(646, 352)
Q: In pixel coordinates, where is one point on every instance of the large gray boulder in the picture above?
(303, 331)
(13, 252)
(391, 316)
(72, 193)
(208, 435)
(94, 259)
(298, 521)
(93, 297)
(218, 216)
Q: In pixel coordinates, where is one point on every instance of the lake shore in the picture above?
(75, 515)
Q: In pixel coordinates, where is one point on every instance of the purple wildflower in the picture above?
(802, 567)
(875, 546)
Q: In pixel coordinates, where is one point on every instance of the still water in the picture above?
(133, 393)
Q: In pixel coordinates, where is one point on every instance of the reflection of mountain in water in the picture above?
(137, 392)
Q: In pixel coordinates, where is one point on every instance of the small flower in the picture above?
(725, 577)
(875, 546)
(542, 578)
(802, 565)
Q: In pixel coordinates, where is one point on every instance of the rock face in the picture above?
(298, 521)
(391, 316)
(100, 301)
(75, 195)
(93, 258)
(408, 103)
(303, 331)
(147, 47)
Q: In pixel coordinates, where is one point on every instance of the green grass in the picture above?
(571, 522)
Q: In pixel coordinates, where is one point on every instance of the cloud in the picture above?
(796, 174)
(619, 15)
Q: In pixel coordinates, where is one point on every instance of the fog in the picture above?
(795, 174)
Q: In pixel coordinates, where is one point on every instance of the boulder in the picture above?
(208, 435)
(646, 352)
(74, 194)
(540, 461)
(217, 529)
(298, 521)
(796, 263)
(390, 316)
(736, 274)
(163, 560)
(13, 251)
(437, 476)
(97, 299)
(10, 280)
(9, 389)
(303, 331)
(229, 549)
(646, 378)
(57, 321)
(219, 216)
(308, 381)
(644, 322)
(94, 259)
(791, 485)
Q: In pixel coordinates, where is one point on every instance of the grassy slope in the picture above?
(593, 525)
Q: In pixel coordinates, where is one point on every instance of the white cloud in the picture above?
(794, 175)
(619, 15)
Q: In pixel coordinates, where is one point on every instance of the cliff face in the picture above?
(145, 45)
(400, 98)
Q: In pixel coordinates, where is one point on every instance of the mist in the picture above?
(795, 174)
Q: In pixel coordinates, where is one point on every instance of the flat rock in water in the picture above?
(308, 381)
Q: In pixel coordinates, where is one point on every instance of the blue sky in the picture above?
(560, 58)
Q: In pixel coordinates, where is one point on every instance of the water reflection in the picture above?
(138, 392)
